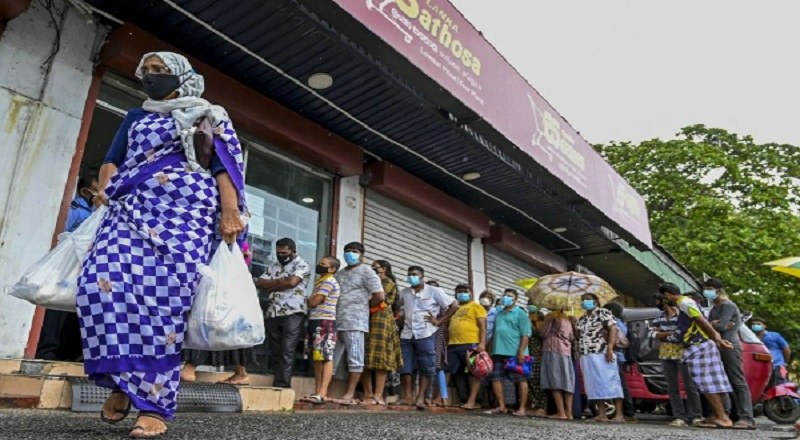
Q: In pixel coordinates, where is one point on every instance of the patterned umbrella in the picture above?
(563, 291)
(789, 265)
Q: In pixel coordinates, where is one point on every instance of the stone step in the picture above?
(45, 385)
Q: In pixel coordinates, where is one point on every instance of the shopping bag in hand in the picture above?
(225, 314)
(52, 282)
(525, 369)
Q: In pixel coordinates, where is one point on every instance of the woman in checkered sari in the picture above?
(138, 281)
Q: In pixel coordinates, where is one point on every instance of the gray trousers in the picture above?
(742, 401)
(693, 408)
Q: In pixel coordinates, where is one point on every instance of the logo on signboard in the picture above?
(380, 6)
(626, 200)
(559, 146)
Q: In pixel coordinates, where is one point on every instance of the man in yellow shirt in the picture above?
(467, 332)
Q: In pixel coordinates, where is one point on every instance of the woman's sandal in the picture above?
(123, 411)
(143, 430)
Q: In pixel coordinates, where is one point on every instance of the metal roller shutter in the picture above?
(405, 237)
(502, 270)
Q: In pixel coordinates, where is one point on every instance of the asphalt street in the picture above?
(354, 425)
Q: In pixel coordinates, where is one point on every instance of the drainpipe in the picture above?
(11, 9)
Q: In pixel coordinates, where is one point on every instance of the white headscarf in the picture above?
(188, 107)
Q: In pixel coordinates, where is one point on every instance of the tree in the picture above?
(724, 205)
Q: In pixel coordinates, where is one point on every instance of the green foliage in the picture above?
(730, 226)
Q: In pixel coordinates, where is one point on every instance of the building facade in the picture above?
(394, 123)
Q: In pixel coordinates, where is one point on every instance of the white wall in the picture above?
(477, 259)
(350, 219)
(41, 106)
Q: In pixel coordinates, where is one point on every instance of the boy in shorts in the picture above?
(322, 327)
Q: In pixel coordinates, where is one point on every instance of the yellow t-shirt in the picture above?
(464, 324)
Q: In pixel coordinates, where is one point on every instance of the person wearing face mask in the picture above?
(321, 336)
(557, 372)
(670, 353)
(284, 283)
(597, 337)
(777, 346)
(467, 331)
(382, 345)
(537, 399)
(701, 354)
(511, 333)
(726, 319)
(167, 214)
(421, 308)
(60, 339)
(361, 290)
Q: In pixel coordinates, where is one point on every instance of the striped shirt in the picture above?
(326, 310)
(669, 348)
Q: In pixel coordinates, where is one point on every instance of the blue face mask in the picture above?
(413, 280)
(758, 328)
(533, 309)
(711, 294)
(507, 301)
(588, 304)
(352, 258)
(462, 297)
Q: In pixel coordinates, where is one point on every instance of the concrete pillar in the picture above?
(350, 216)
(43, 90)
(477, 266)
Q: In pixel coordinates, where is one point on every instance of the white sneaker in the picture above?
(677, 422)
(696, 422)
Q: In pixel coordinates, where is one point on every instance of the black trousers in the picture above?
(61, 337)
(284, 333)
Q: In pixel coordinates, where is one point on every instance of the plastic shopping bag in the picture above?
(52, 281)
(226, 314)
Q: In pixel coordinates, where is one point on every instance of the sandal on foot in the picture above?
(124, 411)
(143, 430)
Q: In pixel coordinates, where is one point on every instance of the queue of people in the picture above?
(174, 198)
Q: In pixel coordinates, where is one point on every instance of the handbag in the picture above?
(203, 138)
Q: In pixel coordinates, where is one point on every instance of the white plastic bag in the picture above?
(225, 314)
(52, 282)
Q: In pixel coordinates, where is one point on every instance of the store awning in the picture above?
(388, 102)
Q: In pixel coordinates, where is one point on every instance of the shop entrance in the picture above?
(60, 336)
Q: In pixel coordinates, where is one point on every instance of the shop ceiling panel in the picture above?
(289, 37)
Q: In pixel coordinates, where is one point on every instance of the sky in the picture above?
(632, 70)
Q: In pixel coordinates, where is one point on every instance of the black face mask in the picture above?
(285, 259)
(159, 85)
(322, 270)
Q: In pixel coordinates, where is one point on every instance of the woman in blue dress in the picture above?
(137, 283)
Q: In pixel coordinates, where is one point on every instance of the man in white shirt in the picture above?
(420, 305)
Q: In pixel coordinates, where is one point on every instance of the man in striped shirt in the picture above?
(670, 352)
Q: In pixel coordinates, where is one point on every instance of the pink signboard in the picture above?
(434, 36)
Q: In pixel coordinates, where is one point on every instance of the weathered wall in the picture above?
(41, 105)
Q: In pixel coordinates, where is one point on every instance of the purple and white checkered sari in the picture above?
(137, 283)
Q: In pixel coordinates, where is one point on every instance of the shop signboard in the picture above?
(434, 36)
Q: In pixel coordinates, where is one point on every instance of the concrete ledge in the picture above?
(260, 399)
(10, 366)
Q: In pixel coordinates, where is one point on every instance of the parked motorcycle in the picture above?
(782, 403)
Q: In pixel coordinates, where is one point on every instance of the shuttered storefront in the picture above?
(502, 270)
(406, 237)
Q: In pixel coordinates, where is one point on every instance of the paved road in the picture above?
(47, 425)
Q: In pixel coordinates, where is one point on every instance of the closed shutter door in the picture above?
(502, 270)
(405, 237)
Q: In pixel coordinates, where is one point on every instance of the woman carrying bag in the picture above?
(166, 196)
